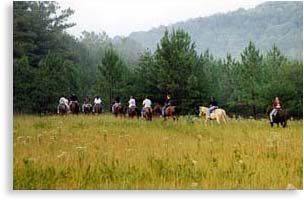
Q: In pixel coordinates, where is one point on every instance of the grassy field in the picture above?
(104, 152)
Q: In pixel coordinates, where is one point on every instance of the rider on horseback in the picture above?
(73, 98)
(97, 100)
(116, 103)
(276, 105)
(132, 102)
(63, 101)
(147, 104)
(212, 106)
(167, 104)
(86, 103)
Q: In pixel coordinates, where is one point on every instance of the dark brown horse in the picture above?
(157, 109)
(98, 108)
(280, 118)
(63, 110)
(118, 110)
(132, 112)
(74, 107)
(147, 113)
(171, 111)
(87, 108)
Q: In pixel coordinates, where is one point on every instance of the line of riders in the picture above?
(66, 106)
(276, 112)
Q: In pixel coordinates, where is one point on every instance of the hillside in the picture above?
(266, 24)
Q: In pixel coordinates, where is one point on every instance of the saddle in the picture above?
(88, 105)
(62, 104)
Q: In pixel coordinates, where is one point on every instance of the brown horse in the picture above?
(147, 113)
(280, 118)
(157, 110)
(63, 110)
(118, 110)
(87, 108)
(74, 107)
(98, 108)
(132, 112)
(171, 111)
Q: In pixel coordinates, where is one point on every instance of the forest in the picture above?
(49, 63)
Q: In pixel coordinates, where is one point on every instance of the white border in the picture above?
(6, 157)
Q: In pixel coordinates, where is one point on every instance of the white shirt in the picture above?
(63, 100)
(147, 103)
(97, 101)
(132, 102)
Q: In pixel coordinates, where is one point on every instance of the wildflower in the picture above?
(62, 154)
(291, 187)
(194, 184)
(79, 148)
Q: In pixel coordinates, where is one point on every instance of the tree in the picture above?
(175, 58)
(251, 75)
(22, 86)
(112, 70)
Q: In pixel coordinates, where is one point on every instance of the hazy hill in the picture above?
(266, 24)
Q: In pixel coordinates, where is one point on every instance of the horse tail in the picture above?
(225, 116)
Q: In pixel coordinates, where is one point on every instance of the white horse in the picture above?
(218, 114)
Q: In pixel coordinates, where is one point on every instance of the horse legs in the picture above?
(218, 120)
(284, 123)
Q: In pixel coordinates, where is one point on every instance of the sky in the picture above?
(121, 17)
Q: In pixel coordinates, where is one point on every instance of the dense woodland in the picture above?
(49, 63)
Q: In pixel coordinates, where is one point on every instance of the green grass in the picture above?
(104, 152)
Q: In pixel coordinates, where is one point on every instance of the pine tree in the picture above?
(251, 75)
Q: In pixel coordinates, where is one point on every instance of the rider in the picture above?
(73, 98)
(86, 103)
(132, 102)
(97, 100)
(167, 104)
(212, 106)
(63, 101)
(276, 105)
(147, 104)
(116, 103)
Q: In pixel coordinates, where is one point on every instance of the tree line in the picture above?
(49, 63)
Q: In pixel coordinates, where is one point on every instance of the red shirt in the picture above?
(276, 105)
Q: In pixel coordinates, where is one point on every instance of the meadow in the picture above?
(104, 152)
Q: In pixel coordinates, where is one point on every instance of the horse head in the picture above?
(202, 110)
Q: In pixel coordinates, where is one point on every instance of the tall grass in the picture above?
(104, 152)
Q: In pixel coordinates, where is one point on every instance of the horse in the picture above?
(98, 108)
(171, 111)
(74, 107)
(132, 112)
(118, 109)
(87, 108)
(280, 118)
(157, 110)
(147, 113)
(218, 114)
(63, 109)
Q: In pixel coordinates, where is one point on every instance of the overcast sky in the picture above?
(121, 17)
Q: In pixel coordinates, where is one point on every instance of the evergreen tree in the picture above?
(251, 75)
(112, 70)
(175, 58)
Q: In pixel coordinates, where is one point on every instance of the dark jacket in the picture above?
(213, 103)
(74, 98)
